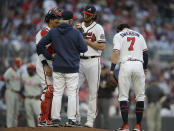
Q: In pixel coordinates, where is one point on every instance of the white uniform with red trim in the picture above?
(131, 45)
(39, 66)
(13, 86)
(32, 91)
(90, 67)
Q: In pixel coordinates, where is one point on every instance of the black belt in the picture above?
(88, 57)
(134, 60)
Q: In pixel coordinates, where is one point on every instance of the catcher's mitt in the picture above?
(112, 81)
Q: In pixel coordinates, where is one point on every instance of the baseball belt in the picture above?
(88, 57)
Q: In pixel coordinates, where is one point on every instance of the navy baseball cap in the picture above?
(67, 15)
(89, 10)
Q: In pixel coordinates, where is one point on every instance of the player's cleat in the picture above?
(71, 123)
(45, 123)
(56, 123)
(89, 124)
(138, 127)
(125, 127)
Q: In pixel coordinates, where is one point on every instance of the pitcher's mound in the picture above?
(52, 129)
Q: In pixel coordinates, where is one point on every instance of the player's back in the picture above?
(131, 45)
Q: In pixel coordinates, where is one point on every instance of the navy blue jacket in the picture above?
(67, 43)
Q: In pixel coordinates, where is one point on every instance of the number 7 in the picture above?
(132, 39)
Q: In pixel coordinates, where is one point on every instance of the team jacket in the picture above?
(68, 43)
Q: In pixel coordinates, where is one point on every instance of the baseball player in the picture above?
(44, 68)
(12, 93)
(130, 49)
(32, 91)
(68, 43)
(90, 67)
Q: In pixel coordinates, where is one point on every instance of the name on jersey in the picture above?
(130, 34)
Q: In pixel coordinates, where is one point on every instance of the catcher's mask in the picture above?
(53, 13)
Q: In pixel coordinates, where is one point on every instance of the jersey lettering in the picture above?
(132, 39)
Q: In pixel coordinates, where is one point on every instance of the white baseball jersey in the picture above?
(32, 85)
(39, 66)
(13, 84)
(131, 44)
(95, 33)
(13, 80)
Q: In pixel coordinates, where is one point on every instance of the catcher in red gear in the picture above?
(44, 68)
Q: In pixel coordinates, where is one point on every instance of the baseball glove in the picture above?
(112, 81)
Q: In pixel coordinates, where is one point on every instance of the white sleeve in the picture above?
(144, 46)
(7, 75)
(100, 35)
(116, 42)
(38, 37)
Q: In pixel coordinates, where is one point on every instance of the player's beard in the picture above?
(31, 72)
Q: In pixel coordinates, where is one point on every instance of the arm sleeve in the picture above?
(116, 43)
(82, 44)
(145, 59)
(100, 35)
(144, 46)
(41, 47)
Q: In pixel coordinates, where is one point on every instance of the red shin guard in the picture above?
(46, 104)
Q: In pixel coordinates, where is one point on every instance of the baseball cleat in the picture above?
(125, 127)
(89, 124)
(56, 123)
(45, 123)
(138, 127)
(71, 123)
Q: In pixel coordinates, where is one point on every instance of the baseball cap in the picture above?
(67, 15)
(89, 10)
(31, 66)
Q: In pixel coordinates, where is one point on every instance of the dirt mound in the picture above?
(51, 129)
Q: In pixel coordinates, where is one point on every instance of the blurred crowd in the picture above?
(21, 19)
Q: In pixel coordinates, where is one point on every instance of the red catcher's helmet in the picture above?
(31, 66)
(18, 61)
(53, 13)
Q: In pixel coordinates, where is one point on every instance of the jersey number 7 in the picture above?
(132, 39)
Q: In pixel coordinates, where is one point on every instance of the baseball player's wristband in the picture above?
(113, 66)
(44, 62)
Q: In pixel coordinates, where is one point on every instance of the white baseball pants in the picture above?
(32, 107)
(60, 81)
(90, 69)
(131, 73)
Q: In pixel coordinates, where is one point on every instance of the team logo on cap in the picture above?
(89, 9)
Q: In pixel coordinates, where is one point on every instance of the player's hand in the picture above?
(145, 72)
(78, 25)
(47, 70)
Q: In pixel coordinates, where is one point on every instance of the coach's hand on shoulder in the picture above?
(47, 70)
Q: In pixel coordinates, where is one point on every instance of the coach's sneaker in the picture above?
(89, 124)
(56, 123)
(138, 127)
(125, 127)
(45, 123)
(71, 123)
